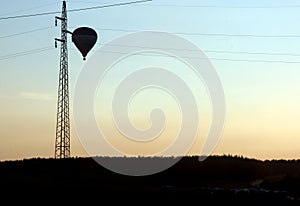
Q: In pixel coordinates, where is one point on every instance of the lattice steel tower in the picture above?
(62, 141)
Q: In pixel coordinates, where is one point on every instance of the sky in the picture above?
(254, 47)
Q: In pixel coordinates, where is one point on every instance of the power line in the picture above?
(86, 2)
(29, 15)
(73, 10)
(43, 49)
(26, 32)
(255, 60)
(253, 53)
(207, 5)
(224, 7)
(124, 30)
(24, 53)
(32, 8)
(106, 6)
(210, 58)
(238, 35)
(208, 34)
(207, 51)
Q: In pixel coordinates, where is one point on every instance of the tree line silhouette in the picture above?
(226, 177)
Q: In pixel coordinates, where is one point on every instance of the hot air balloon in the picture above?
(84, 39)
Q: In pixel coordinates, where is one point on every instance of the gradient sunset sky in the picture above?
(254, 46)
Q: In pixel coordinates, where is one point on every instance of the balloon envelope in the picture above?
(84, 39)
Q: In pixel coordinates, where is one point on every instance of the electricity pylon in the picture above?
(62, 140)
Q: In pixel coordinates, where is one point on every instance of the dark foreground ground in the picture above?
(218, 179)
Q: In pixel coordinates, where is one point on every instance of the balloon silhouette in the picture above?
(84, 39)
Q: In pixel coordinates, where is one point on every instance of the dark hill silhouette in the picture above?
(217, 179)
